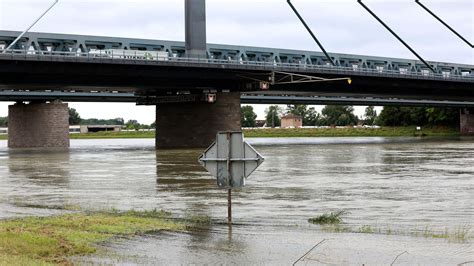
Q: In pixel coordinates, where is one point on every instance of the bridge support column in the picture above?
(38, 125)
(194, 125)
(467, 121)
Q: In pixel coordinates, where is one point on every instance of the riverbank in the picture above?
(54, 240)
(409, 131)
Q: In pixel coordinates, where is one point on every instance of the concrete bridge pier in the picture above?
(195, 124)
(467, 122)
(38, 125)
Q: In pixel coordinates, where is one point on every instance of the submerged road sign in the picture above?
(230, 159)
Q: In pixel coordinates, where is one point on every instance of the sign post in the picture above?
(231, 160)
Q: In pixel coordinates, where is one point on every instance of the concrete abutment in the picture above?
(38, 125)
(195, 124)
(467, 122)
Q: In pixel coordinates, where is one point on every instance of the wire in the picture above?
(396, 36)
(444, 23)
(311, 32)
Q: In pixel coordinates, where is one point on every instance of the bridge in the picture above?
(151, 67)
(181, 78)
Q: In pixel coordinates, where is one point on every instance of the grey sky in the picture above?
(343, 26)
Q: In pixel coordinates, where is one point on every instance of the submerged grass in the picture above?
(458, 234)
(331, 222)
(51, 240)
(328, 218)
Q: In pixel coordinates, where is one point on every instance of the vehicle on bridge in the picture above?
(129, 54)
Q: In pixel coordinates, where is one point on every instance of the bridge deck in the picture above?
(150, 67)
(40, 43)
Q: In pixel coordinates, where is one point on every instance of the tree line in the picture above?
(75, 119)
(331, 115)
(343, 115)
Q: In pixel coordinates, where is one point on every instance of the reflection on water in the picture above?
(42, 167)
(402, 184)
(178, 166)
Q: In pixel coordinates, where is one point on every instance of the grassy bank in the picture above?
(52, 240)
(115, 135)
(294, 132)
(350, 132)
(108, 135)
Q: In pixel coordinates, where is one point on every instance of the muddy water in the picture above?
(408, 187)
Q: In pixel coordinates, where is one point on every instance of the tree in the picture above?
(310, 116)
(117, 121)
(248, 116)
(391, 116)
(443, 116)
(132, 124)
(403, 116)
(342, 115)
(370, 115)
(418, 115)
(95, 121)
(74, 117)
(297, 109)
(272, 115)
(3, 121)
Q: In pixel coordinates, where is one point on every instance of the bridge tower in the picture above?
(195, 28)
(195, 124)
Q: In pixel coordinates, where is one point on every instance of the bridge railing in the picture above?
(157, 57)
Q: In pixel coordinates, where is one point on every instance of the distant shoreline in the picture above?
(408, 131)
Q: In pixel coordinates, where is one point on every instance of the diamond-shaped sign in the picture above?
(230, 159)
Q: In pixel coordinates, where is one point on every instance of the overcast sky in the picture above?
(343, 26)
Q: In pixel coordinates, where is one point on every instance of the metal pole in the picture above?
(444, 23)
(311, 32)
(396, 36)
(229, 175)
(229, 206)
(23, 33)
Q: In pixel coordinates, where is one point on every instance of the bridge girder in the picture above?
(35, 42)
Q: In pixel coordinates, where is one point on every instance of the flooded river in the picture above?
(397, 193)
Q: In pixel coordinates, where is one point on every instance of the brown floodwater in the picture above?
(398, 193)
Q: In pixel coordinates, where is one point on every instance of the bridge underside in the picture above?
(245, 98)
(164, 79)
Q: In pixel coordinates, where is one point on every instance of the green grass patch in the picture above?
(198, 220)
(114, 135)
(328, 218)
(408, 131)
(52, 240)
(352, 132)
(7, 260)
